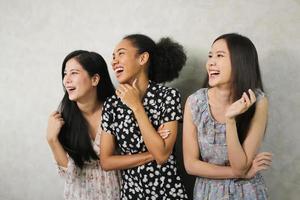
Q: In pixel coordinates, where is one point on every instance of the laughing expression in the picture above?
(77, 81)
(125, 62)
(218, 64)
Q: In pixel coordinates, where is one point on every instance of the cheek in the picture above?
(206, 66)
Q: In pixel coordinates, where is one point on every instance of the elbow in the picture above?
(160, 160)
(188, 168)
(188, 165)
(105, 165)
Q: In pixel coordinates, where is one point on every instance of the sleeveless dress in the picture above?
(211, 136)
(90, 182)
(148, 181)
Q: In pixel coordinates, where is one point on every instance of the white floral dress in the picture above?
(91, 182)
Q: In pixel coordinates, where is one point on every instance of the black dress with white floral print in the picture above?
(148, 181)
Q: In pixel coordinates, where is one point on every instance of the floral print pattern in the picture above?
(213, 147)
(91, 182)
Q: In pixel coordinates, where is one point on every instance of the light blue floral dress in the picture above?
(212, 143)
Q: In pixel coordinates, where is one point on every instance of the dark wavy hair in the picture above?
(166, 57)
(74, 135)
(245, 75)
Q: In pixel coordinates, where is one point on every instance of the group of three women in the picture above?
(118, 144)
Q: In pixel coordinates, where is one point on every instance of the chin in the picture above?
(212, 84)
(123, 80)
(72, 98)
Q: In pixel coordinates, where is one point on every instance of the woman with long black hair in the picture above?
(73, 132)
(224, 125)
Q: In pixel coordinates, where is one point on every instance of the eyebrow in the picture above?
(77, 70)
(217, 52)
(119, 50)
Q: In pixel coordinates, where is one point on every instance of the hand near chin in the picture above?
(130, 95)
(241, 105)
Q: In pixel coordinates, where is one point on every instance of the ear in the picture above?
(144, 58)
(95, 79)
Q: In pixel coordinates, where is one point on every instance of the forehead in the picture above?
(220, 45)
(73, 64)
(124, 44)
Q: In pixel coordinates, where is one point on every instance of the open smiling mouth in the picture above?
(118, 70)
(214, 73)
(70, 89)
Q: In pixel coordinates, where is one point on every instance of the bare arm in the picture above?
(160, 148)
(110, 161)
(240, 155)
(191, 153)
(55, 123)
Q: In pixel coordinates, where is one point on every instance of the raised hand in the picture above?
(241, 105)
(55, 123)
(261, 162)
(130, 95)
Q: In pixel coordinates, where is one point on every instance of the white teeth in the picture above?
(214, 73)
(118, 69)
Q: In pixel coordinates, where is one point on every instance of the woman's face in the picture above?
(218, 64)
(77, 81)
(125, 62)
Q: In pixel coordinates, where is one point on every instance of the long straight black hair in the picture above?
(74, 135)
(245, 75)
(167, 57)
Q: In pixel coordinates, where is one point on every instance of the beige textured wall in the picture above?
(36, 35)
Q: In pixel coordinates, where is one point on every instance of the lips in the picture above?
(70, 89)
(118, 70)
(213, 73)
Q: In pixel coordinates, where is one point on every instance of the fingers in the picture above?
(161, 127)
(164, 133)
(252, 96)
(248, 99)
(264, 163)
(134, 84)
(263, 160)
(57, 117)
(264, 155)
(122, 89)
(262, 167)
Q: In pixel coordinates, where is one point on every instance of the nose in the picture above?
(211, 61)
(114, 61)
(66, 79)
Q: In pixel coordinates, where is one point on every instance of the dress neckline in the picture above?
(208, 109)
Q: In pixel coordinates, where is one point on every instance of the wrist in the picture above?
(138, 108)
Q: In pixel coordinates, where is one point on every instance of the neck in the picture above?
(89, 107)
(142, 83)
(222, 95)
